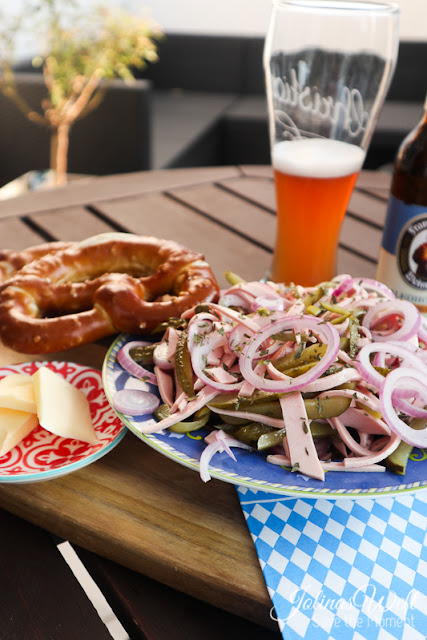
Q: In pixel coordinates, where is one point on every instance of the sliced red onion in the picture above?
(345, 284)
(221, 443)
(133, 367)
(374, 285)
(134, 402)
(392, 348)
(234, 300)
(403, 377)
(333, 380)
(231, 314)
(422, 331)
(408, 408)
(325, 331)
(411, 316)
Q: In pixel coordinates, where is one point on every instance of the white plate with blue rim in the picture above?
(251, 468)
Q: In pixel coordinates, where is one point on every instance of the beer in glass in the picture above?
(328, 65)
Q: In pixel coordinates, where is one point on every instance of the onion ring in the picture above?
(406, 377)
(325, 331)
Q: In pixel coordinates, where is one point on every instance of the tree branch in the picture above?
(73, 108)
(93, 103)
(10, 92)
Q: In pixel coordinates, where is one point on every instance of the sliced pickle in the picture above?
(201, 418)
(183, 368)
(345, 344)
(322, 430)
(318, 409)
(271, 439)
(143, 354)
(342, 314)
(382, 370)
(234, 402)
(233, 278)
(250, 433)
(261, 404)
(176, 323)
(294, 372)
(161, 412)
(313, 297)
(398, 460)
(285, 336)
(354, 337)
(313, 310)
(311, 354)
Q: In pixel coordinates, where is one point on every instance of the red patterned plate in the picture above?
(43, 455)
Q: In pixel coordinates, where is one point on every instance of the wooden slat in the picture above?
(15, 234)
(381, 194)
(257, 171)
(161, 216)
(374, 179)
(357, 235)
(40, 597)
(110, 188)
(354, 265)
(257, 190)
(231, 211)
(367, 208)
(75, 223)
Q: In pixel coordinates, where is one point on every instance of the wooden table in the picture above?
(134, 508)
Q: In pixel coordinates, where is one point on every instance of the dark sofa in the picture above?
(197, 71)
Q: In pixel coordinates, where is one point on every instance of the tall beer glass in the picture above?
(328, 65)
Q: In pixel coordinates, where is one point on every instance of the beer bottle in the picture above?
(402, 264)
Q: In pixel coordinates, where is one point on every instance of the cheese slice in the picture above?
(14, 427)
(61, 408)
(17, 392)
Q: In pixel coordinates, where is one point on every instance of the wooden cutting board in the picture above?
(142, 510)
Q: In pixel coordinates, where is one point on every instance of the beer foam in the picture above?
(317, 158)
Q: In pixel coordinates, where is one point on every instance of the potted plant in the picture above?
(82, 48)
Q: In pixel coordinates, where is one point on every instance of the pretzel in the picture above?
(11, 261)
(105, 285)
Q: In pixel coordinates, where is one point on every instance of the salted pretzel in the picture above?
(107, 284)
(11, 261)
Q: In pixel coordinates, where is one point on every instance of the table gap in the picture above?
(222, 224)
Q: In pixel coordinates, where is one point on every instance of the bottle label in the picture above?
(402, 265)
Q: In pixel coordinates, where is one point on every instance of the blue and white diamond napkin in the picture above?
(343, 569)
